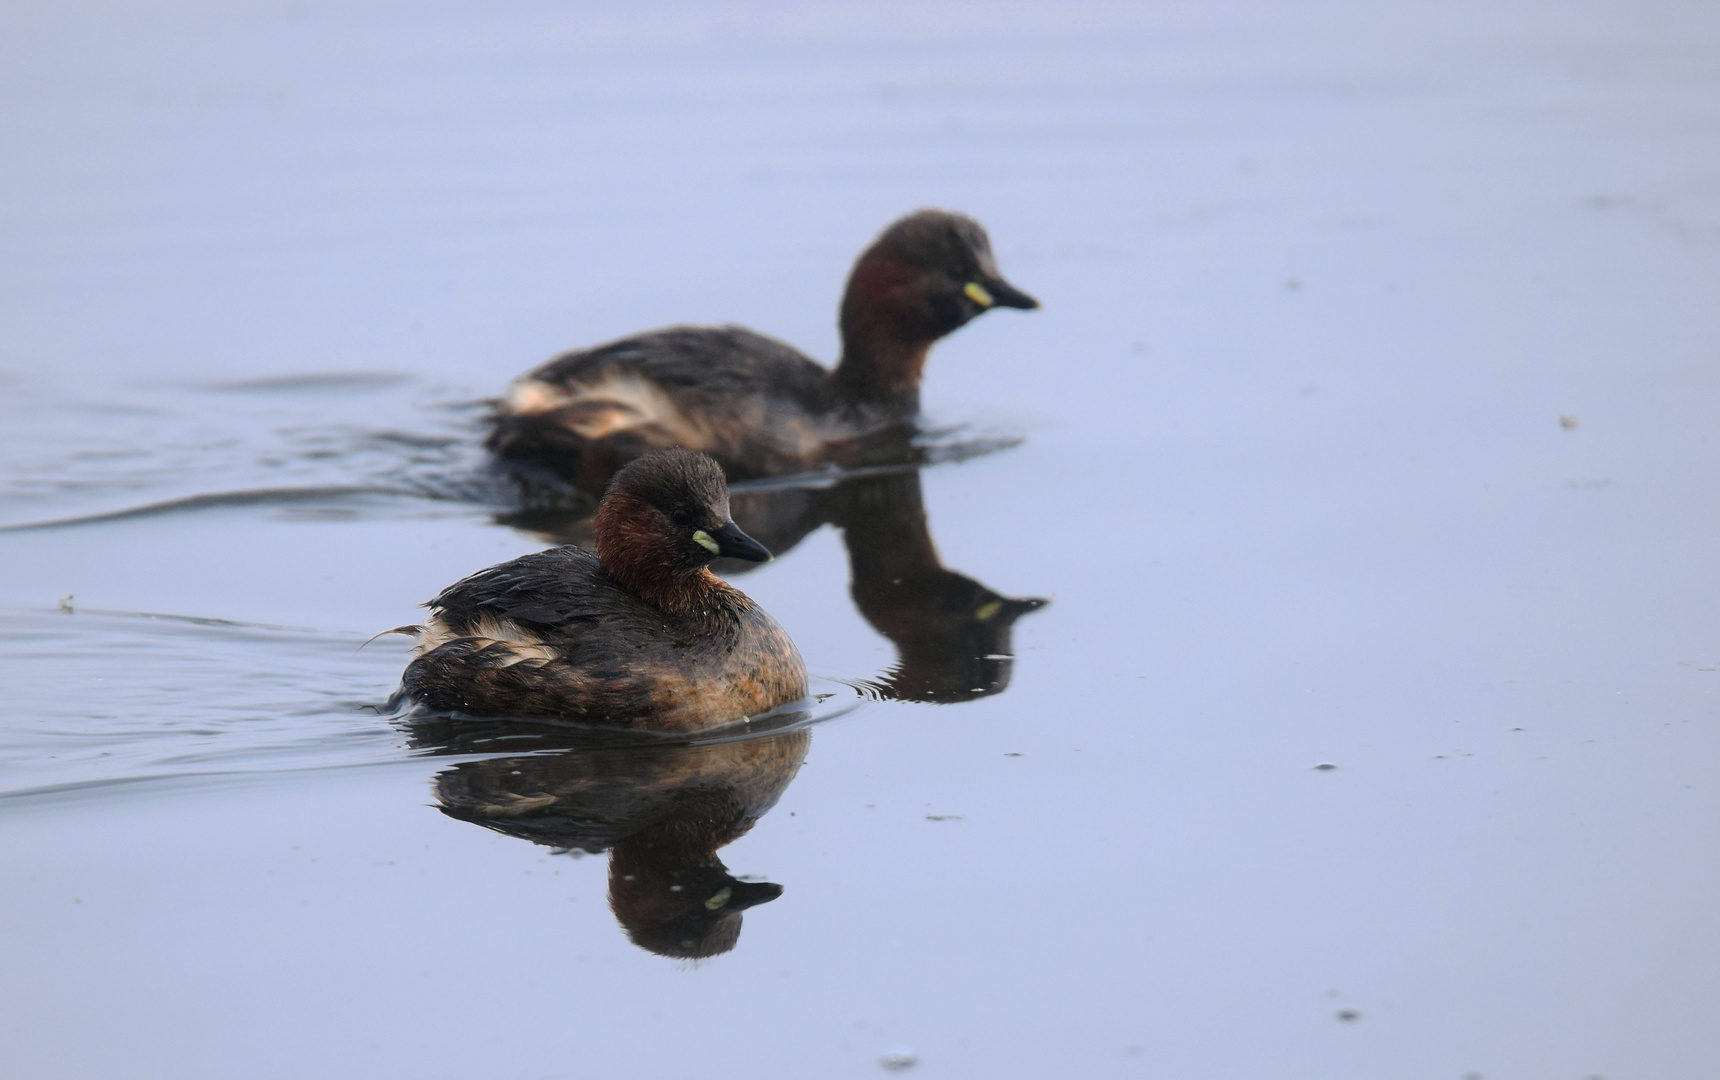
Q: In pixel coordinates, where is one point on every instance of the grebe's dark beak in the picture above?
(734, 544)
(1006, 295)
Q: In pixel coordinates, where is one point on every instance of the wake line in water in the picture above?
(122, 785)
(252, 497)
(483, 488)
(66, 609)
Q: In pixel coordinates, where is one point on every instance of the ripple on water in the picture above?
(102, 699)
(99, 699)
(330, 445)
(74, 455)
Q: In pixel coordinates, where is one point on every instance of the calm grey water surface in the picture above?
(1321, 280)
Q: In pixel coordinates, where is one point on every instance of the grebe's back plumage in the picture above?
(639, 634)
(753, 403)
(757, 405)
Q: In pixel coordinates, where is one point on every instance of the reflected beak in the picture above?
(734, 544)
(751, 893)
(1003, 294)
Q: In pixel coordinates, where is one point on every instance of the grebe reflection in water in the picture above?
(660, 810)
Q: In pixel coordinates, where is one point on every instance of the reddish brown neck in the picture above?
(885, 336)
(633, 550)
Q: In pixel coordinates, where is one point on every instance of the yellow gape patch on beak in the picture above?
(987, 612)
(703, 539)
(976, 292)
(719, 899)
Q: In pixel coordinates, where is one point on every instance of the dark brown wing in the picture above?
(700, 366)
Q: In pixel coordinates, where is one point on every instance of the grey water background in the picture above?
(1320, 281)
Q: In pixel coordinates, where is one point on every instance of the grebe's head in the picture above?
(668, 513)
(930, 273)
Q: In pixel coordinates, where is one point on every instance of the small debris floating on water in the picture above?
(66, 603)
(898, 1059)
(1348, 1016)
(1324, 766)
(1568, 422)
(945, 817)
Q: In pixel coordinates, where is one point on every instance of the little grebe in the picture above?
(639, 635)
(755, 404)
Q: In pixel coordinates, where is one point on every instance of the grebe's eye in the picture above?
(680, 517)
